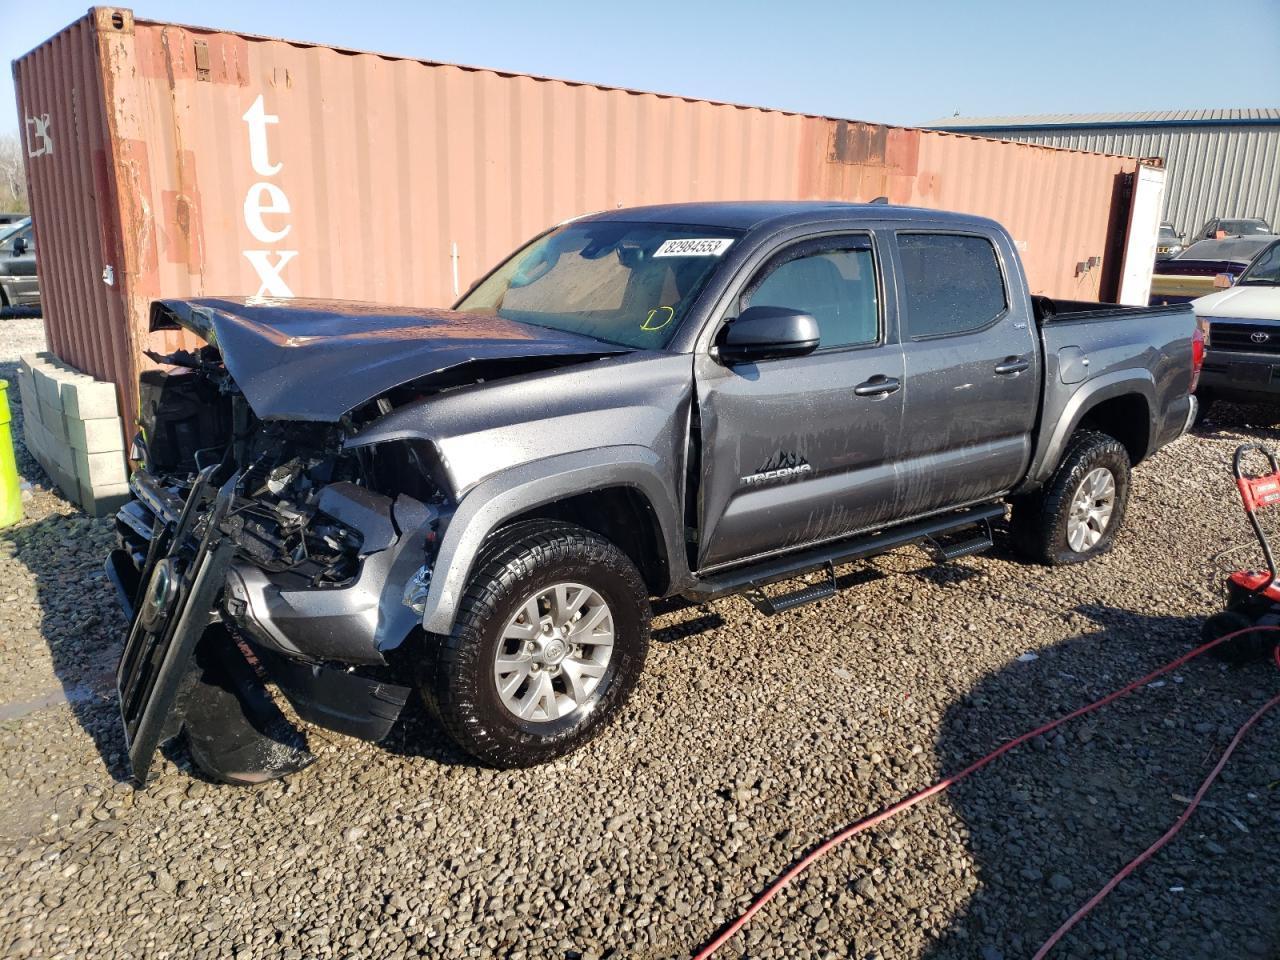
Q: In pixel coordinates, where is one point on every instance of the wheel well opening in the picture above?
(624, 517)
(1126, 418)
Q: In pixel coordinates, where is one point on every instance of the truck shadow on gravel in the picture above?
(1049, 823)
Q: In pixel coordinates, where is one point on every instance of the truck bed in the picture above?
(1094, 351)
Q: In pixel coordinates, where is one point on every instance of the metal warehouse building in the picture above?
(1222, 163)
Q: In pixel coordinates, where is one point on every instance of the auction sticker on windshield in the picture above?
(694, 247)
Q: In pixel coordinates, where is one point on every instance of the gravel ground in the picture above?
(747, 739)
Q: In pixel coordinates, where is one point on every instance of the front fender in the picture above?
(1067, 418)
(499, 498)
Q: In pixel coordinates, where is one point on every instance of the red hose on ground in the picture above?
(1147, 854)
(888, 812)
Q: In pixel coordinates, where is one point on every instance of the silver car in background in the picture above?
(19, 285)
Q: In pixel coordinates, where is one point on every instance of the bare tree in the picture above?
(13, 175)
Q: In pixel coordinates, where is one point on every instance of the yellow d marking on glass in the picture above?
(658, 318)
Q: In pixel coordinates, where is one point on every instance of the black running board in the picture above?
(944, 551)
(751, 578)
(812, 593)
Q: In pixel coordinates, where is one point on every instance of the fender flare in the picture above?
(497, 499)
(1120, 383)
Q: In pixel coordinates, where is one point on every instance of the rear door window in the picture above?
(952, 284)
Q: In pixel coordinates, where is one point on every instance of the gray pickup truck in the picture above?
(346, 501)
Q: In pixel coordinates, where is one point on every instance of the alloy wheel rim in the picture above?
(554, 653)
(1091, 509)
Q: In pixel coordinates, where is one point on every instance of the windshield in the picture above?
(1167, 235)
(625, 283)
(1265, 269)
(1243, 228)
(1242, 250)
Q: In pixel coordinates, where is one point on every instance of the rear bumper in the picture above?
(1193, 408)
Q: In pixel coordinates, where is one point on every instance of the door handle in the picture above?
(1011, 365)
(878, 386)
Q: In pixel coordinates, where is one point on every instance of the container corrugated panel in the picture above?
(193, 162)
(1228, 171)
(75, 204)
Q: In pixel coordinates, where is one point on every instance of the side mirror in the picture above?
(19, 246)
(767, 333)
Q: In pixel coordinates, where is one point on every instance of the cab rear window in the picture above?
(952, 283)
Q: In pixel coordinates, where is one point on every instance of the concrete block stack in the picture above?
(71, 425)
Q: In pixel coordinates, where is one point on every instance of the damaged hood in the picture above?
(318, 359)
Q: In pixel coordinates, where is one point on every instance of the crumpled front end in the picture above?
(264, 555)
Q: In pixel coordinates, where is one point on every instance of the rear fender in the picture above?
(1107, 386)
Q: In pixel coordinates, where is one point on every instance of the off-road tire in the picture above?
(456, 676)
(1038, 522)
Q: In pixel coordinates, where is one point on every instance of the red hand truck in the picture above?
(1253, 596)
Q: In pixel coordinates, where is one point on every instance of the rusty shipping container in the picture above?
(168, 160)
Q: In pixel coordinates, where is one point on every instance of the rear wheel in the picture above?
(550, 639)
(1080, 510)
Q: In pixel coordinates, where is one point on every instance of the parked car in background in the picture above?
(1169, 243)
(9, 218)
(693, 399)
(1233, 227)
(1242, 353)
(19, 285)
(1204, 267)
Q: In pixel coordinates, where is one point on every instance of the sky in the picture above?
(888, 62)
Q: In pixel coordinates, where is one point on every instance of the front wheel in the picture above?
(550, 639)
(1080, 510)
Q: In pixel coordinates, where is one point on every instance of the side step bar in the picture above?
(946, 551)
(750, 579)
(789, 601)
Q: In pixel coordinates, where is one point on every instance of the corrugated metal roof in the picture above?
(1214, 170)
(1232, 116)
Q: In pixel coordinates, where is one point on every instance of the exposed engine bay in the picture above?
(278, 536)
(302, 497)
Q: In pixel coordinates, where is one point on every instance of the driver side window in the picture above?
(835, 283)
